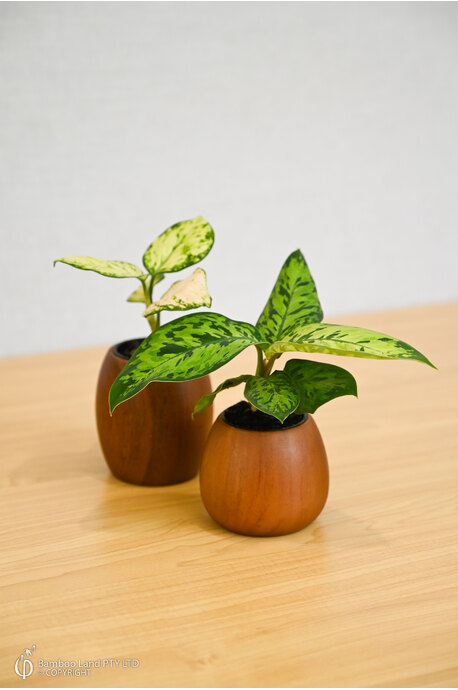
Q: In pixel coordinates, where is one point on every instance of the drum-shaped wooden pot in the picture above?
(264, 483)
(151, 439)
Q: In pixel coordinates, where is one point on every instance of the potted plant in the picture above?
(264, 470)
(153, 440)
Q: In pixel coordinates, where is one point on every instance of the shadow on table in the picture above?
(124, 507)
(127, 509)
(52, 466)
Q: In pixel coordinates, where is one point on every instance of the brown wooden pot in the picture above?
(151, 439)
(264, 483)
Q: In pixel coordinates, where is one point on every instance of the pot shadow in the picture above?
(37, 469)
(163, 511)
(342, 529)
(129, 509)
(333, 527)
(333, 531)
(125, 508)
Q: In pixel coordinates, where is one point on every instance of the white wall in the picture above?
(326, 126)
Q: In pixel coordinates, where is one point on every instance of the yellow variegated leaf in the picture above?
(190, 293)
(138, 295)
(180, 246)
(112, 269)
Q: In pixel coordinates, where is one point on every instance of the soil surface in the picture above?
(127, 348)
(242, 416)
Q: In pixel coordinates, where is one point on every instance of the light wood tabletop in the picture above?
(95, 569)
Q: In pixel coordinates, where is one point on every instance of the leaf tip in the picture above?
(297, 253)
(112, 403)
(197, 408)
(424, 360)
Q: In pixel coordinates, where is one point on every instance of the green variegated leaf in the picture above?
(348, 341)
(180, 246)
(112, 269)
(293, 300)
(318, 383)
(207, 400)
(184, 294)
(274, 395)
(187, 348)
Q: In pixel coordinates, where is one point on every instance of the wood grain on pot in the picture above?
(151, 439)
(264, 483)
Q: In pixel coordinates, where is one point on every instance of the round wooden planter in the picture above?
(264, 483)
(151, 439)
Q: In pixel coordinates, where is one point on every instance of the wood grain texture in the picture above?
(264, 483)
(152, 439)
(365, 596)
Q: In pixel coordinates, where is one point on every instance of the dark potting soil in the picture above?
(242, 416)
(127, 348)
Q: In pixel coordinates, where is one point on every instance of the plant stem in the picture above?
(152, 320)
(269, 364)
(146, 292)
(264, 366)
(148, 295)
(260, 364)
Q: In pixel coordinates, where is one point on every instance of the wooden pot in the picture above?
(151, 439)
(264, 483)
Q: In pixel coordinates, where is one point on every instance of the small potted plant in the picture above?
(264, 470)
(153, 440)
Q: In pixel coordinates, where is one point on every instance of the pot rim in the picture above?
(305, 418)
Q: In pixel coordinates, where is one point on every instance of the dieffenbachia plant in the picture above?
(178, 247)
(291, 321)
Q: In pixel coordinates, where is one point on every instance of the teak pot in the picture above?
(264, 483)
(151, 439)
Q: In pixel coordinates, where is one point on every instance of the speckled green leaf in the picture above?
(190, 293)
(187, 348)
(112, 269)
(293, 300)
(207, 400)
(180, 246)
(318, 383)
(274, 395)
(348, 341)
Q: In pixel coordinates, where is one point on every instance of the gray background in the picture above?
(326, 126)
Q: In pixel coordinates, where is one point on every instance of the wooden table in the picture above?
(366, 596)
